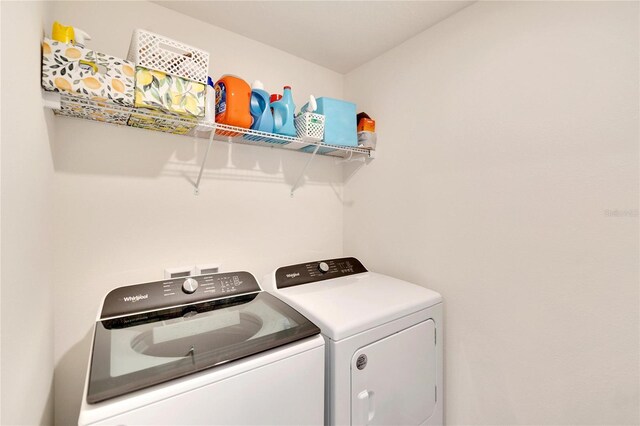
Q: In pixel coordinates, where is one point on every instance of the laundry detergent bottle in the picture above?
(233, 95)
(283, 114)
(260, 108)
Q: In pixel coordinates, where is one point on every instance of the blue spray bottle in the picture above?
(283, 114)
(259, 108)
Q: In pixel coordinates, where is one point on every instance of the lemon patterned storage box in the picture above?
(181, 126)
(93, 110)
(165, 92)
(87, 73)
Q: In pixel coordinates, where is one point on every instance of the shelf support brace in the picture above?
(306, 166)
(51, 100)
(204, 160)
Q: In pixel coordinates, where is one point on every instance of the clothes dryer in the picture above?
(383, 341)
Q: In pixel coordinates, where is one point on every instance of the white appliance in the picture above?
(383, 336)
(211, 349)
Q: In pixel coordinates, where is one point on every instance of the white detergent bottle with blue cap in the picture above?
(283, 114)
(260, 109)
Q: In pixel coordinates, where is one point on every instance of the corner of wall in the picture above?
(26, 177)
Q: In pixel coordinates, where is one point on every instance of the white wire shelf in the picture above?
(77, 107)
(99, 111)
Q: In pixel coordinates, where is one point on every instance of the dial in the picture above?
(323, 267)
(189, 285)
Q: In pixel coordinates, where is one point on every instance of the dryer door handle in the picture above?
(367, 406)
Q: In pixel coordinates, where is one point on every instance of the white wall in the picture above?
(499, 195)
(27, 171)
(124, 210)
(508, 137)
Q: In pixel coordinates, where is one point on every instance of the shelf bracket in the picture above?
(351, 159)
(51, 100)
(204, 160)
(306, 166)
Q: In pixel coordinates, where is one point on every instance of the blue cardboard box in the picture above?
(340, 127)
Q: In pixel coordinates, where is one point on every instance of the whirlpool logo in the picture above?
(134, 299)
(295, 274)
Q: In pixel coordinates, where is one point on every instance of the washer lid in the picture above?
(351, 304)
(136, 351)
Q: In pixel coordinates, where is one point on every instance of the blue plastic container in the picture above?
(260, 108)
(340, 127)
(283, 114)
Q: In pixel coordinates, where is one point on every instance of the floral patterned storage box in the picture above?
(87, 73)
(164, 92)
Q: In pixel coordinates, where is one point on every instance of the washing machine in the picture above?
(383, 341)
(212, 349)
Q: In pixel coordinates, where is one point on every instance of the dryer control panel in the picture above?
(303, 273)
(177, 291)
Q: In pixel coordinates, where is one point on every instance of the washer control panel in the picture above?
(177, 291)
(303, 273)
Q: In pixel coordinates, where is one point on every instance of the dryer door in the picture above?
(393, 381)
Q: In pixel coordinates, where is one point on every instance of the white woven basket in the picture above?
(310, 126)
(161, 53)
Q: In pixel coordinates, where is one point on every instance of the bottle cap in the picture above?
(287, 87)
(312, 105)
(81, 37)
(275, 97)
(257, 84)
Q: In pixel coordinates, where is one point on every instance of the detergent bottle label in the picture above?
(221, 98)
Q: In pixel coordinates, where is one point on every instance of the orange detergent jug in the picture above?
(233, 97)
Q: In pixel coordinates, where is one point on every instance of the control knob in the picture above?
(189, 285)
(323, 267)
